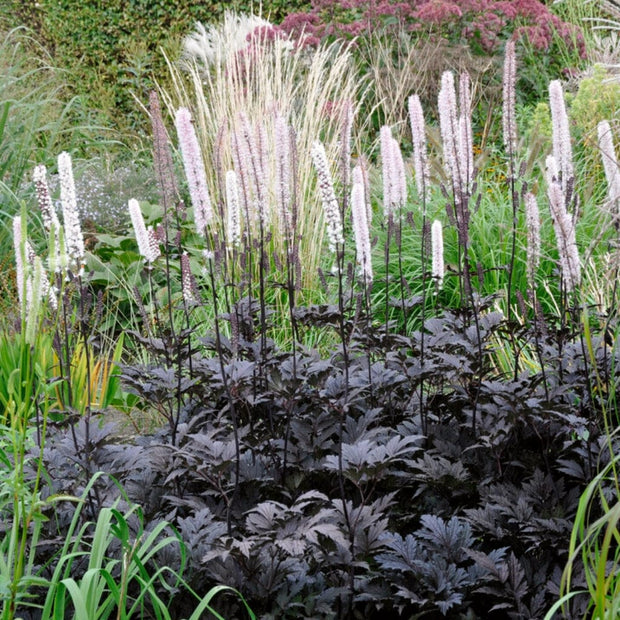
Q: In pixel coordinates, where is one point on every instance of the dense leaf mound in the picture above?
(397, 476)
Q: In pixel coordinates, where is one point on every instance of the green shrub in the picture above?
(113, 48)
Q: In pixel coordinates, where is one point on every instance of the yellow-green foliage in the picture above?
(538, 127)
(597, 99)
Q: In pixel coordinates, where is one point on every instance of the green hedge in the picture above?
(112, 47)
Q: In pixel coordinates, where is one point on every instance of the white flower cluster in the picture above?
(148, 245)
(437, 265)
(74, 240)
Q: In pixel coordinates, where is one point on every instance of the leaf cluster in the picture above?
(388, 480)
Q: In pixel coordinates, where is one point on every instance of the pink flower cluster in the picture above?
(489, 22)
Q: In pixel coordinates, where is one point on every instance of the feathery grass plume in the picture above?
(162, 157)
(361, 232)
(562, 149)
(328, 197)
(532, 221)
(73, 232)
(188, 282)
(610, 164)
(271, 74)
(233, 227)
(194, 170)
(147, 243)
(418, 138)
(509, 122)
(48, 213)
(212, 44)
(564, 227)
(437, 266)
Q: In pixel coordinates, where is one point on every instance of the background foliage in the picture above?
(113, 47)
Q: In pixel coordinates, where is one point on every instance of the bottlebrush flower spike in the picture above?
(147, 244)
(328, 196)
(448, 125)
(564, 227)
(532, 220)
(347, 127)
(418, 137)
(253, 158)
(19, 245)
(385, 136)
(73, 232)
(465, 146)
(393, 168)
(437, 265)
(610, 164)
(400, 181)
(48, 213)
(283, 171)
(360, 175)
(233, 228)
(562, 150)
(509, 122)
(188, 283)
(361, 232)
(162, 158)
(194, 170)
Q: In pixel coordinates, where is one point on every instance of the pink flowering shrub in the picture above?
(483, 23)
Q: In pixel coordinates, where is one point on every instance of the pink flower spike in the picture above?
(564, 227)
(399, 182)
(610, 164)
(283, 171)
(509, 123)
(418, 136)
(361, 232)
(194, 170)
(448, 125)
(532, 220)
(385, 136)
(465, 148)
(562, 149)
